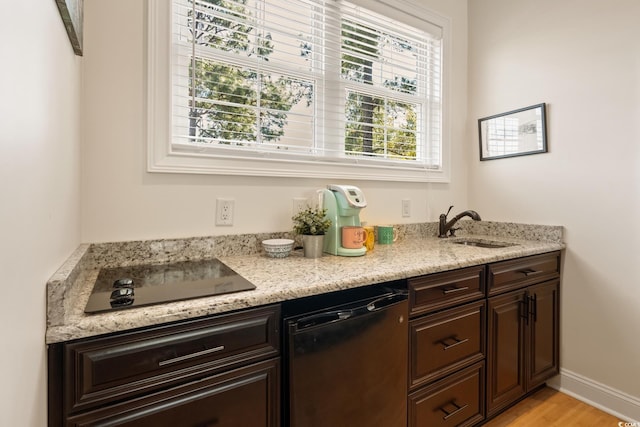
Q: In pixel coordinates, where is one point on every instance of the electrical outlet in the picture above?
(224, 211)
(406, 208)
(299, 204)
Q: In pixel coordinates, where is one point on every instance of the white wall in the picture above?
(583, 59)
(39, 192)
(120, 201)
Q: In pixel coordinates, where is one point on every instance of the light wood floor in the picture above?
(550, 408)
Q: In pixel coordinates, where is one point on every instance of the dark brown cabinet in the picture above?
(481, 338)
(442, 290)
(447, 348)
(544, 333)
(457, 400)
(222, 371)
(444, 342)
(505, 381)
(246, 397)
(523, 330)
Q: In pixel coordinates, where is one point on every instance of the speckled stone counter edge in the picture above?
(83, 264)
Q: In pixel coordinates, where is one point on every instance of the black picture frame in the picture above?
(71, 12)
(518, 132)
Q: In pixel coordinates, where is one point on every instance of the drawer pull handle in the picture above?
(190, 356)
(447, 291)
(530, 272)
(524, 309)
(454, 412)
(457, 342)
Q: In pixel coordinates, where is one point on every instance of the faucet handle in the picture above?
(447, 214)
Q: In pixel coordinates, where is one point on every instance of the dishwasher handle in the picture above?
(345, 313)
(323, 318)
(383, 302)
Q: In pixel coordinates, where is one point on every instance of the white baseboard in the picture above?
(605, 398)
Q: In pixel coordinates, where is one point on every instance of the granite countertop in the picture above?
(416, 253)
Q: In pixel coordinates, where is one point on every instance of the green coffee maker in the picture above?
(343, 204)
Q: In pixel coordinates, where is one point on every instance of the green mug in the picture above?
(387, 234)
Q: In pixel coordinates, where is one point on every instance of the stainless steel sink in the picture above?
(482, 243)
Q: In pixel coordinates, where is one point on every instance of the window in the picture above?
(314, 88)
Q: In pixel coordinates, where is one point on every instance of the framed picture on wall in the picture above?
(515, 133)
(71, 12)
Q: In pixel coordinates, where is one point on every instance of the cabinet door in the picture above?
(247, 397)
(507, 317)
(543, 333)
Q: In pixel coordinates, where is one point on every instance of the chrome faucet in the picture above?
(445, 226)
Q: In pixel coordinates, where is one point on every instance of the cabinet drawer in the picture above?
(246, 397)
(457, 400)
(509, 275)
(444, 342)
(108, 369)
(441, 290)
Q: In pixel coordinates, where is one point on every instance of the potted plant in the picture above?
(311, 223)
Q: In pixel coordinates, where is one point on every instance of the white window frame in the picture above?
(162, 155)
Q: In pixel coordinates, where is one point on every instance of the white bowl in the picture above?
(277, 248)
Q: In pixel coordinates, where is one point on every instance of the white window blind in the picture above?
(300, 82)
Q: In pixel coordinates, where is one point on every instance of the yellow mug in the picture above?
(371, 238)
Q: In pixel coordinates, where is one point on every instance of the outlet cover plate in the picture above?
(224, 211)
(406, 208)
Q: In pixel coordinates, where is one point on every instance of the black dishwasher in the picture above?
(346, 359)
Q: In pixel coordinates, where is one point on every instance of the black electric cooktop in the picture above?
(128, 287)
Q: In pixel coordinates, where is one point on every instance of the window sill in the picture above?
(164, 161)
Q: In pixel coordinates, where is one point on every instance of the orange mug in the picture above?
(353, 237)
